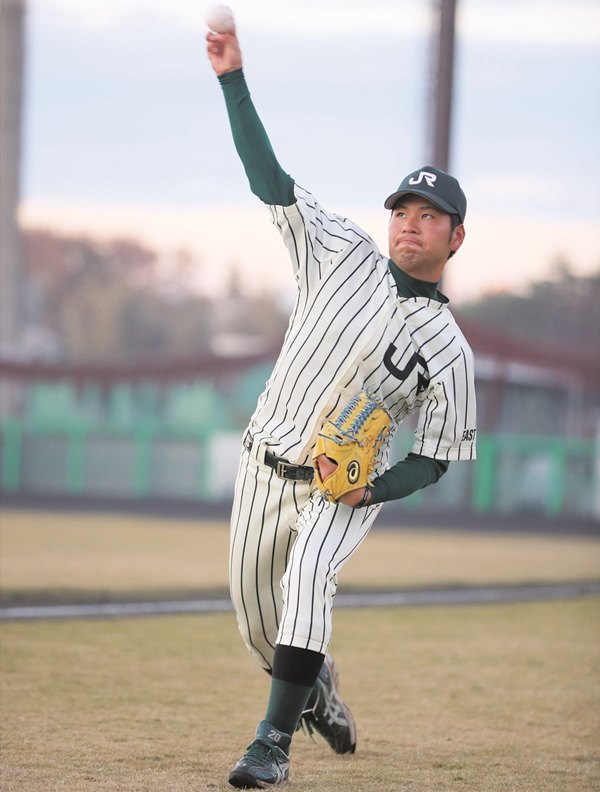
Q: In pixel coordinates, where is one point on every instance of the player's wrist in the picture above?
(366, 499)
(231, 74)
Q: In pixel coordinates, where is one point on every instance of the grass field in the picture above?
(487, 698)
(78, 557)
(495, 698)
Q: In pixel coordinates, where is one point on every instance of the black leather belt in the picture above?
(282, 467)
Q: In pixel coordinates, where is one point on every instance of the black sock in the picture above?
(294, 674)
(292, 664)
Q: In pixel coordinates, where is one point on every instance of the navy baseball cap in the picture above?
(441, 189)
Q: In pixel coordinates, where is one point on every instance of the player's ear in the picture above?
(457, 238)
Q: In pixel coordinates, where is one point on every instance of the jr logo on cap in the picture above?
(430, 178)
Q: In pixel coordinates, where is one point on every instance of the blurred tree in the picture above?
(113, 301)
(117, 300)
(562, 311)
(92, 308)
(260, 316)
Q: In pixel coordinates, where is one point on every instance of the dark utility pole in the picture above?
(442, 81)
(12, 58)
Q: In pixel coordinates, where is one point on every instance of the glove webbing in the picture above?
(359, 420)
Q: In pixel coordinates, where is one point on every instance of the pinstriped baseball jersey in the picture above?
(350, 330)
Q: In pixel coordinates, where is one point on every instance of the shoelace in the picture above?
(259, 750)
(305, 723)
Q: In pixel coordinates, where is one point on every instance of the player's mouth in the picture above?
(409, 241)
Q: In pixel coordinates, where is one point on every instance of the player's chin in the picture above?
(408, 258)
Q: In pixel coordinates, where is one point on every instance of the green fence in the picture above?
(552, 476)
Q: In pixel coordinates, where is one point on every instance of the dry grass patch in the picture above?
(487, 698)
(395, 559)
(80, 552)
(83, 555)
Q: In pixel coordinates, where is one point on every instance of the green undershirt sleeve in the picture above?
(267, 179)
(405, 477)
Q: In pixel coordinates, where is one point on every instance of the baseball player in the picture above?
(363, 322)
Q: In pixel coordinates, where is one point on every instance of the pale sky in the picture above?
(126, 130)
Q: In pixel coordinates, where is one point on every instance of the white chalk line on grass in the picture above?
(448, 596)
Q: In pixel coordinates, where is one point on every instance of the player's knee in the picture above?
(258, 645)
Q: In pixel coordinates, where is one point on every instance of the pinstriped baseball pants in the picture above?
(286, 548)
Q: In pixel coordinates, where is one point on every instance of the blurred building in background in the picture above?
(172, 431)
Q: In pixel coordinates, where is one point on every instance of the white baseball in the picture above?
(220, 19)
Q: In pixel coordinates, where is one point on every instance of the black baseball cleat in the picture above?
(265, 763)
(327, 713)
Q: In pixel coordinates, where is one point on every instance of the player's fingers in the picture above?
(215, 43)
(326, 466)
(221, 38)
(215, 40)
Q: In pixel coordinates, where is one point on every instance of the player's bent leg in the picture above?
(328, 536)
(256, 544)
(261, 539)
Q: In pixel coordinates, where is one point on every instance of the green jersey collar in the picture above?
(413, 287)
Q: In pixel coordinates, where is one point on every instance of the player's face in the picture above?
(421, 238)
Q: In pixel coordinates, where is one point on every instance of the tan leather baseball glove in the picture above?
(351, 438)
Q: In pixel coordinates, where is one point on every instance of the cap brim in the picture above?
(393, 199)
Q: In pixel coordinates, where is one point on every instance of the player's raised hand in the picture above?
(224, 51)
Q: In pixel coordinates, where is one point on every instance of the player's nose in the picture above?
(410, 225)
